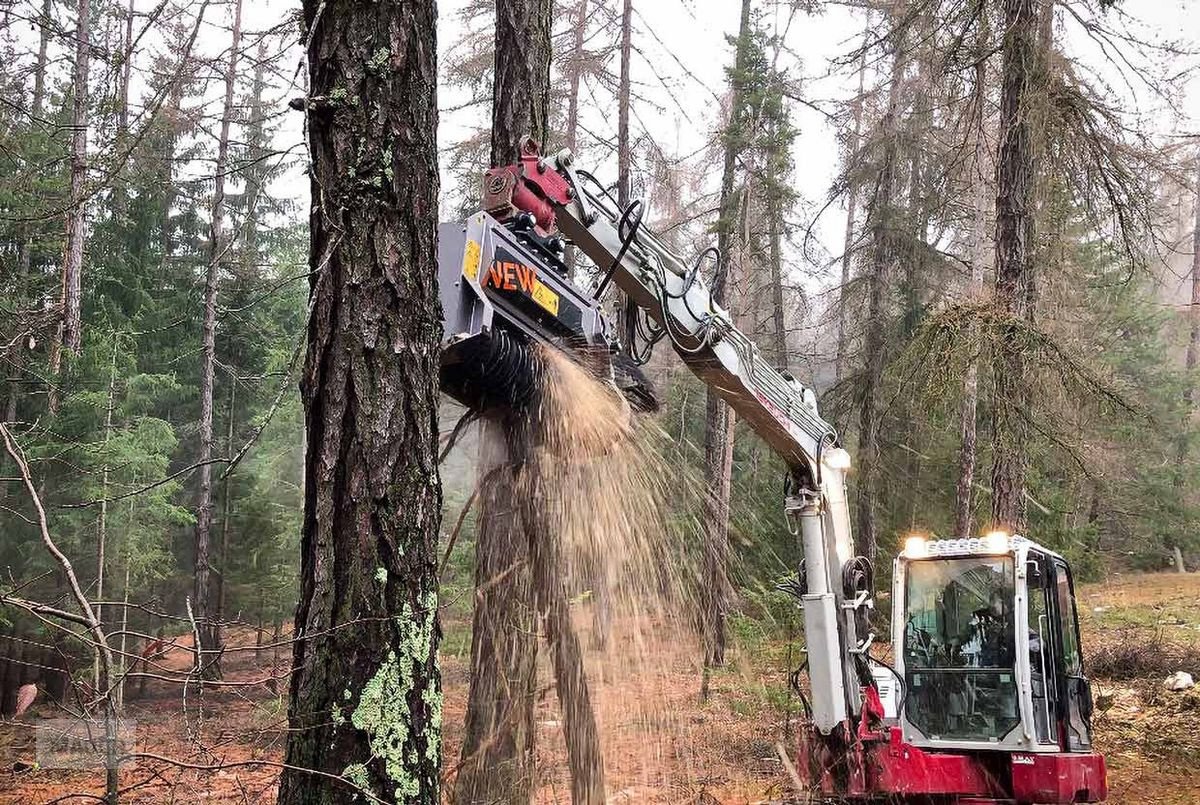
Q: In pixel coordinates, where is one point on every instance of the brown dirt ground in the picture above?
(661, 744)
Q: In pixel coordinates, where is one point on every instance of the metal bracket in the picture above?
(862, 599)
(566, 163)
(865, 646)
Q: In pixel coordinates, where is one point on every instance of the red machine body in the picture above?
(880, 766)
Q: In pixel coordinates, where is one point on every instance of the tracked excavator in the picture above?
(985, 700)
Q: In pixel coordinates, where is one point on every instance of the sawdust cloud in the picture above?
(609, 488)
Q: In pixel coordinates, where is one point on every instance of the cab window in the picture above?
(1072, 662)
(959, 648)
(959, 613)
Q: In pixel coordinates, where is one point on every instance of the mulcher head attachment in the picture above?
(504, 289)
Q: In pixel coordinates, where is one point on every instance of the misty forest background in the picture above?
(154, 280)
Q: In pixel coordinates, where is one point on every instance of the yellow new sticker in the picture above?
(471, 260)
(545, 297)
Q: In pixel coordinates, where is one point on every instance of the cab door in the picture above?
(1076, 701)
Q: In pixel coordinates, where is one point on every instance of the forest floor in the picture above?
(661, 744)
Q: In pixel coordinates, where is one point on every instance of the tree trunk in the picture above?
(882, 215)
(584, 757)
(775, 247)
(209, 650)
(126, 72)
(498, 744)
(498, 761)
(102, 520)
(574, 75)
(70, 323)
(39, 70)
(623, 156)
(1190, 360)
(573, 78)
(843, 335)
(25, 247)
(968, 412)
(627, 308)
(1016, 171)
(226, 510)
(365, 701)
(521, 91)
(718, 419)
(255, 173)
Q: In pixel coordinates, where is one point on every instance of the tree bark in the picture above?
(126, 72)
(718, 419)
(226, 510)
(102, 520)
(623, 156)
(209, 650)
(365, 702)
(256, 172)
(521, 90)
(584, 757)
(882, 215)
(70, 324)
(1016, 171)
(497, 754)
(497, 763)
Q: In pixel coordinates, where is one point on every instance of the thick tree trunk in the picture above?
(366, 703)
(497, 763)
(209, 650)
(1016, 172)
(497, 754)
(884, 256)
(718, 419)
(70, 324)
(520, 93)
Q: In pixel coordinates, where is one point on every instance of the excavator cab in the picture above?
(988, 655)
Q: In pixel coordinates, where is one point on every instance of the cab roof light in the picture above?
(996, 541)
(916, 547)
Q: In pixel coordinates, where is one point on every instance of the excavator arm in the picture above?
(553, 198)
